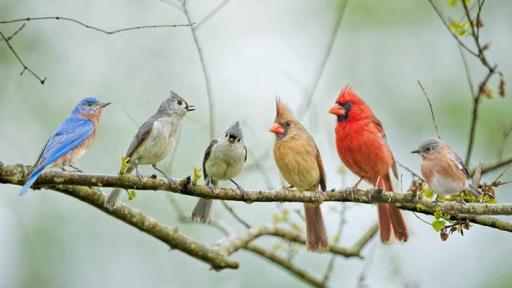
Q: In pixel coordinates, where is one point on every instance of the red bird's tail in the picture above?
(391, 221)
(315, 228)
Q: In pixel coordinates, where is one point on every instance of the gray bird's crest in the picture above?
(234, 131)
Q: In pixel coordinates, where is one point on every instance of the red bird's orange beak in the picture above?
(337, 110)
(277, 129)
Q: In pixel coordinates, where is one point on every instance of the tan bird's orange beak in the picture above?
(337, 110)
(277, 129)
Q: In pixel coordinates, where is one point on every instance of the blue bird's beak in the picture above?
(103, 105)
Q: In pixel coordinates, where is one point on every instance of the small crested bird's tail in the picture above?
(32, 178)
(202, 210)
(113, 197)
(315, 228)
(391, 221)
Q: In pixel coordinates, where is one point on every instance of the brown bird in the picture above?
(298, 159)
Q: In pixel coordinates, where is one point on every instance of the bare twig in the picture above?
(431, 109)
(286, 264)
(88, 26)
(23, 65)
(212, 13)
(308, 98)
(332, 261)
(211, 104)
(15, 32)
(231, 211)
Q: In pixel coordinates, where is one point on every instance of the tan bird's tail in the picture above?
(315, 228)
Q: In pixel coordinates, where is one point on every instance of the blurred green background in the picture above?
(255, 50)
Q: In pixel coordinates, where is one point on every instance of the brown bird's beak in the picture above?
(277, 129)
(415, 151)
(337, 110)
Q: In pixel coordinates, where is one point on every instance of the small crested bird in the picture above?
(154, 140)
(299, 162)
(363, 148)
(443, 169)
(223, 160)
(70, 141)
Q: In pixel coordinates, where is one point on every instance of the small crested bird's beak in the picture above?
(337, 110)
(235, 132)
(103, 105)
(190, 108)
(415, 151)
(277, 129)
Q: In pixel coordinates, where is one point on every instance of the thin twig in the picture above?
(212, 13)
(231, 211)
(431, 109)
(85, 25)
(445, 23)
(286, 264)
(211, 104)
(15, 32)
(308, 98)
(332, 261)
(23, 65)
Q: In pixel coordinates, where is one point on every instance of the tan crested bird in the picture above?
(299, 162)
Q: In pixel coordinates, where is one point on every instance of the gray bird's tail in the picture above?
(113, 198)
(202, 210)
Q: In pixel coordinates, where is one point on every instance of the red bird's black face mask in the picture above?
(341, 110)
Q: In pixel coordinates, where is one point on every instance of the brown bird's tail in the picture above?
(391, 222)
(315, 228)
(202, 210)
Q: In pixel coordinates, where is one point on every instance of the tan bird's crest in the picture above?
(283, 112)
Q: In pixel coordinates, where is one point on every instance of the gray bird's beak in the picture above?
(415, 151)
(190, 108)
(103, 105)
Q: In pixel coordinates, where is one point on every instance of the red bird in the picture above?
(362, 147)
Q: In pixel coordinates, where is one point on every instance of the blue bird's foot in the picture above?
(75, 169)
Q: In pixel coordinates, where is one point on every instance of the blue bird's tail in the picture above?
(32, 178)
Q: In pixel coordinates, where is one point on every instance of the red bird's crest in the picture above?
(348, 95)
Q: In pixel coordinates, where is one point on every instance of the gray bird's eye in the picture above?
(180, 102)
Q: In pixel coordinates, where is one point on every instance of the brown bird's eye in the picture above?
(287, 124)
(180, 102)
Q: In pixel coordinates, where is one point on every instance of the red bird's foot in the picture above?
(319, 192)
(354, 188)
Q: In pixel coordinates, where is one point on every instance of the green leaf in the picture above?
(196, 175)
(124, 165)
(438, 214)
(438, 225)
(459, 28)
(132, 194)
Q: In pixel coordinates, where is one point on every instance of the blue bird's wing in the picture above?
(69, 135)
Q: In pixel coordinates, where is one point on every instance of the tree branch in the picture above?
(152, 227)
(211, 108)
(95, 28)
(16, 174)
(23, 65)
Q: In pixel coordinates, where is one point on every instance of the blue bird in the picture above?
(70, 141)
